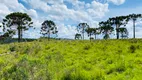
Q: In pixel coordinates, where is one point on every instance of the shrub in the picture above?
(12, 48)
(87, 47)
(132, 49)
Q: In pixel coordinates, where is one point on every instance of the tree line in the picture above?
(20, 22)
(106, 28)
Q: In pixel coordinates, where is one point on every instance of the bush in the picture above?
(12, 48)
(87, 47)
(132, 49)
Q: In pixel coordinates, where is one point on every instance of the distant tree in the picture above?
(82, 27)
(92, 31)
(17, 21)
(97, 32)
(7, 34)
(118, 21)
(106, 29)
(78, 36)
(48, 28)
(124, 32)
(91, 38)
(134, 18)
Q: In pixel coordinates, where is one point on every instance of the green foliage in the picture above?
(78, 36)
(71, 60)
(20, 21)
(106, 28)
(81, 28)
(132, 49)
(48, 28)
(92, 31)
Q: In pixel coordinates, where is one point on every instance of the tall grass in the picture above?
(72, 60)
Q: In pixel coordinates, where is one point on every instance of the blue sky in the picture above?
(67, 14)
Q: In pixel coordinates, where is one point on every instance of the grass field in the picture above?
(72, 60)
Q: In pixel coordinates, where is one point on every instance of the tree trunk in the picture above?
(134, 29)
(90, 37)
(95, 36)
(48, 36)
(122, 36)
(83, 33)
(18, 35)
(105, 36)
(117, 32)
(21, 34)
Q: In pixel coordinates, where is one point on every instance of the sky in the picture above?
(67, 14)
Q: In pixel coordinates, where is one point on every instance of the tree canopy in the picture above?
(48, 28)
(118, 21)
(17, 21)
(106, 29)
(81, 28)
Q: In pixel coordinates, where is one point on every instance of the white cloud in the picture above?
(7, 7)
(31, 33)
(60, 13)
(54, 1)
(38, 4)
(32, 13)
(66, 31)
(13, 5)
(97, 9)
(117, 2)
(3, 11)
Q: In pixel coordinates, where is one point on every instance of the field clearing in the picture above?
(72, 60)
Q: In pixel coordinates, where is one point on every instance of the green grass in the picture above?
(72, 60)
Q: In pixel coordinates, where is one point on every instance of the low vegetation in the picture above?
(72, 60)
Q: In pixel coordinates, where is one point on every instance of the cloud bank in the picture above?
(65, 13)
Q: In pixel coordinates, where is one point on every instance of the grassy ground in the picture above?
(72, 60)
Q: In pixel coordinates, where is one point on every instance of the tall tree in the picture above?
(17, 21)
(118, 21)
(82, 27)
(106, 29)
(48, 28)
(134, 18)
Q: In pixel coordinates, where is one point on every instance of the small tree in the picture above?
(92, 31)
(48, 28)
(7, 35)
(124, 32)
(78, 36)
(82, 27)
(17, 21)
(96, 32)
(106, 29)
